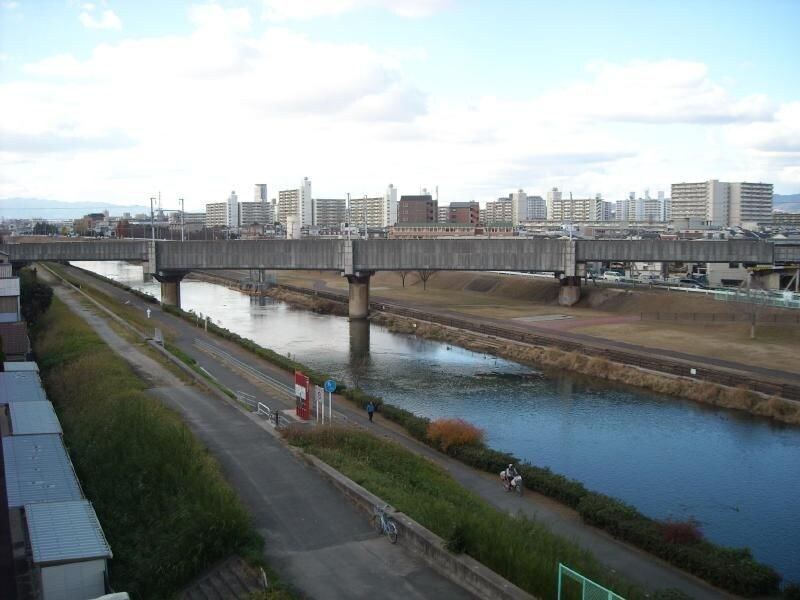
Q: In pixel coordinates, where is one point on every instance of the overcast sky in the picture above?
(115, 101)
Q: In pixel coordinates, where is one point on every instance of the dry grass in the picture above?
(447, 433)
(739, 398)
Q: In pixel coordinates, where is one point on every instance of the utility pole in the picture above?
(182, 221)
(152, 220)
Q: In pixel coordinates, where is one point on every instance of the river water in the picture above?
(738, 475)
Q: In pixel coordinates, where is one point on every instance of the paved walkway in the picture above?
(639, 567)
(315, 539)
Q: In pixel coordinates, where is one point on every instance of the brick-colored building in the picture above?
(417, 209)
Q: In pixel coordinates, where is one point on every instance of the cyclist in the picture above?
(508, 475)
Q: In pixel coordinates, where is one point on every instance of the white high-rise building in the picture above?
(330, 212)
(573, 210)
(519, 207)
(224, 214)
(297, 202)
(537, 208)
(643, 209)
(260, 192)
(381, 212)
(723, 204)
(553, 197)
(498, 212)
(259, 212)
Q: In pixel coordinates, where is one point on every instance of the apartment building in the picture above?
(330, 212)
(256, 212)
(463, 212)
(723, 204)
(381, 212)
(224, 214)
(296, 203)
(567, 210)
(499, 211)
(420, 208)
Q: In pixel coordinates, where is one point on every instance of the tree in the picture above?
(424, 275)
(34, 297)
(123, 228)
(403, 275)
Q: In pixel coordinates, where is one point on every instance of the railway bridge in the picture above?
(357, 260)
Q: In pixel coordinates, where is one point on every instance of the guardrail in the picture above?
(743, 317)
(262, 377)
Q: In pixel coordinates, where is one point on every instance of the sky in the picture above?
(117, 101)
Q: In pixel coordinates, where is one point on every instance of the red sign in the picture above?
(302, 396)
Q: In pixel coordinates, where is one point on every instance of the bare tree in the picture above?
(403, 275)
(424, 275)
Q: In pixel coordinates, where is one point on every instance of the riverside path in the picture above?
(314, 538)
(649, 572)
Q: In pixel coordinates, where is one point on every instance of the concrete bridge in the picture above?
(357, 260)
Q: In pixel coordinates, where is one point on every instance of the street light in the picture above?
(182, 222)
(152, 220)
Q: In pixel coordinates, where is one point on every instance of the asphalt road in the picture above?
(315, 539)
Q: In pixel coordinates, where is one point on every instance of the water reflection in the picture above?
(738, 475)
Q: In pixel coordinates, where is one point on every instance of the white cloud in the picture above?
(11, 5)
(668, 91)
(108, 20)
(228, 104)
(282, 10)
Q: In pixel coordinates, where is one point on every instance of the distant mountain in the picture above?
(39, 208)
(786, 202)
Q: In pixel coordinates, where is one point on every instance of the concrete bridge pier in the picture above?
(570, 291)
(170, 286)
(359, 294)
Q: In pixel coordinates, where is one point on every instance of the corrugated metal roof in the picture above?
(9, 286)
(38, 470)
(25, 365)
(21, 386)
(33, 418)
(65, 532)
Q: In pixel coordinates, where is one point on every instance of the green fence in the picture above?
(574, 586)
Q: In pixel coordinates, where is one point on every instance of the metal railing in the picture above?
(574, 586)
(244, 367)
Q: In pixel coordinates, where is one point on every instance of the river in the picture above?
(738, 475)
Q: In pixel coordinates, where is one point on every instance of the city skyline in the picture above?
(115, 101)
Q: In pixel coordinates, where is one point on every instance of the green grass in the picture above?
(521, 550)
(163, 504)
(192, 364)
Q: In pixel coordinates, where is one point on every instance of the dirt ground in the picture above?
(597, 314)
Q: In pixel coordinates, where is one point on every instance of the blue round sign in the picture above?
(330, 386)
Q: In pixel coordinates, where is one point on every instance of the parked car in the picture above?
(613, 276)
(692, 283)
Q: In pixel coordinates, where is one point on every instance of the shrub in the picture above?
(34, 297)
(446, 433)
(681, 532)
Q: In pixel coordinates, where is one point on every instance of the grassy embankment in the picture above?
(164, 506)
(731, 569)
(521, 550)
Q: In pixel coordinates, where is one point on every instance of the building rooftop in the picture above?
(25, 365)
(15, 338)
(21, 386)
(65, 532)
(33, 418)
(38, 469)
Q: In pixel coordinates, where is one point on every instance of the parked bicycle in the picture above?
(383, 523)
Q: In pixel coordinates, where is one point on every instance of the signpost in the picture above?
(302, 396)
(330, 387)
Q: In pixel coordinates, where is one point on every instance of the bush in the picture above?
(34, 297)
(681, 532)
(447, 433)
(164, 506)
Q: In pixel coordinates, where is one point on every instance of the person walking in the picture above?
(370, 410)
